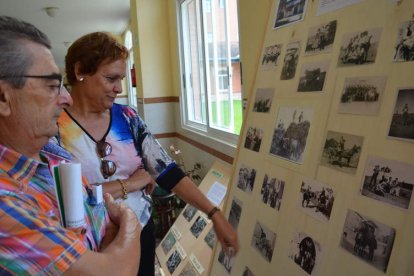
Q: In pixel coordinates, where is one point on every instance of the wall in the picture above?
(290, 218)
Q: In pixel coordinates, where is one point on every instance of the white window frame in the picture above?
(132, 92)
(202, 128)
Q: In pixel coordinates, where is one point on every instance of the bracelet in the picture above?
(95, 184)
(212, 212)
(123, 187)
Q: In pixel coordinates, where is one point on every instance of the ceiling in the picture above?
(73, 19)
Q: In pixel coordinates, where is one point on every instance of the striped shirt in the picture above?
(32, 240)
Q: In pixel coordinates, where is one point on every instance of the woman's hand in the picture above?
(226, 234)
(141, 179)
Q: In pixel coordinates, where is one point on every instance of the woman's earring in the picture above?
(81, 79)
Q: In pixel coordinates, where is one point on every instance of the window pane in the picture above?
(193, 81)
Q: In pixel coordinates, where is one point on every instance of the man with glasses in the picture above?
(32, 240)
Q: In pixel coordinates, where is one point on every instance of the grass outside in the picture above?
(225, 111)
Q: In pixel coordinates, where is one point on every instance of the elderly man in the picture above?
(32, 240)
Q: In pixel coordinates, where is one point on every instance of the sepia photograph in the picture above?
(247, 272)
(272, 191)
(404, 46)
(368, 239)
(342, 151)
(291, 133)
(290, 61)
(288, 12)
(168, 242)
(189, 212)
(173, 261)
(305, 252)
(198, 226)
(402, 122)
(271, 56)
(245, 180)
(264, 240)
(316, 199)
(388, 181)
(362, 95)
(321, 38)
(254, 138)
(263, 100)
(359, 48)
(312, 77)
(211, 238)
(188, 270)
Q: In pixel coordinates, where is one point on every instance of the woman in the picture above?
(114, 146)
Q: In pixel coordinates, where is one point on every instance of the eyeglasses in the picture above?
(108, 167)
(58, 77)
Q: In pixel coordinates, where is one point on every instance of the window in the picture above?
(210, 67)
(132, 93)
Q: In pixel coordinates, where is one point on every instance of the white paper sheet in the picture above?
(216, 193)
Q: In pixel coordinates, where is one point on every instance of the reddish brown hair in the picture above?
(91, 51)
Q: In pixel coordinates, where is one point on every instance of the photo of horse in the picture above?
(342, 151)
(362, 95)
(404, 46)
(402, 122)
(359, 48)
(316, 199)
(305, 252)
(368, 239)
(263, 240)
(321, 38)
(272, 191)
(290, 135)
(388, 181)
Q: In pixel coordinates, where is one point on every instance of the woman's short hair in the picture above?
(91, 51)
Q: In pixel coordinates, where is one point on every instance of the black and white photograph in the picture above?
(342, 151)
(290, 61)
(272, 191)
(198, 226)
(168, 242)
(254, 138)
(305, 252)
(402, 122)
(362, 95)
(359, 48)
(211, 238)
(404, 46)
(271, 56)
(247, 272)
(288, 12)
(264, 241)
(312, 76)
(173, 261)
(188, 270)
(245, 181)
(291, 133)
(226, 260)
(263, 100)
(368, 239)
(316, 199)
(321, 38)
(235, 212)
(388, 181)
(189, 212)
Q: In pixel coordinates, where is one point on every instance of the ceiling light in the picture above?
(51, 11)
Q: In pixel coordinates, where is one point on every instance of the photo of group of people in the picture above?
(316, 199)
(288, 12)
(368, 239)
(312, 77)
(402, 121)
(321, 38)
(388, 181)
(272, 191)
(254, 138)
(198, 226)
(263, 100)
(305, 252)
(362, 95)
(174, 261)
(404, 46)
(271, 56)
(245, 181)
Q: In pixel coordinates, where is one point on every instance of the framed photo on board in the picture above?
(288, 12)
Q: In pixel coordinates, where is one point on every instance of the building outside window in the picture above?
(210, 67)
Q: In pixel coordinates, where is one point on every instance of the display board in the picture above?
(324, 173)
(187, 247)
